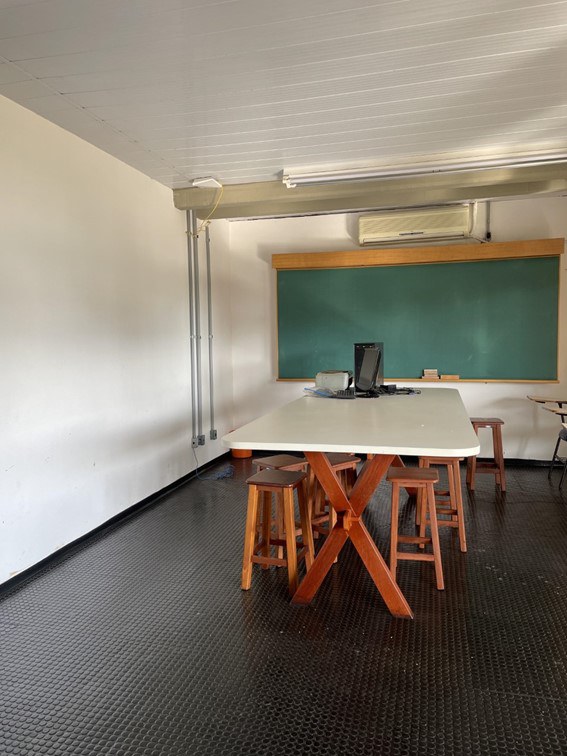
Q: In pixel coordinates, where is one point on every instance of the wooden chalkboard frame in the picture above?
(424, 256)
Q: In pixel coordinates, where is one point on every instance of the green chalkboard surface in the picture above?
(481, 320)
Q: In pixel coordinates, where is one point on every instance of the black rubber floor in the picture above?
(141, 641)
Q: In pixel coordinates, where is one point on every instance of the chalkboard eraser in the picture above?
(447, 377)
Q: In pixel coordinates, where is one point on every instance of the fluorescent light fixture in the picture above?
(292, 180)
(206, 181)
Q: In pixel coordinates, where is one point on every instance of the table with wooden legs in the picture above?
(349, 524)
(432, 423)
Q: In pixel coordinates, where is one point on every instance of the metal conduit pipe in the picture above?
(191, 244)
(212, 432)
(197, 300)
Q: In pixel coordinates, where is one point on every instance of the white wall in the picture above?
(94, 381)
(529, 433)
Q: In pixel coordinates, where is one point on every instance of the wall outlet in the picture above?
(201, 440)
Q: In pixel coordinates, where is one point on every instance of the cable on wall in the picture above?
(208, 180)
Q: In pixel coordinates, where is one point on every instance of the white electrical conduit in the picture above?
(212, 432)
(197, 300)
(191, 246)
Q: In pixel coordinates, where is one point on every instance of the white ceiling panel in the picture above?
(9, 74)
(243, 89)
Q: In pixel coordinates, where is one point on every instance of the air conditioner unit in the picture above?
(450, 222)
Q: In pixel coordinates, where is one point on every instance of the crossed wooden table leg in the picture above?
(349, 525)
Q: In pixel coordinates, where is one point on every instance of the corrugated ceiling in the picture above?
(243, 89)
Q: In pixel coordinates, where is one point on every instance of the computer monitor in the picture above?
(368, 367)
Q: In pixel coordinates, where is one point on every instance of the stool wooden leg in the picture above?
(332, 523)
(458, 492)
(350, 479)
(311, 492)
(499, 457)
(452, 491)
(280, 526)
(266, 528)
(313, 499)
(291, 544)
(419, 502)
(318, 500)
(249, 537)
(423, 505)
(394, 529)
(471, 472)
(306, 529)
(435, 537)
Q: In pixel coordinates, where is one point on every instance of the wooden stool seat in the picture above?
(493, 466)
(270, 478)
(342, 460)
(420, 479)
(449, 503)
(282, 483)
(412, 476)
(486, 422)
(281, 462)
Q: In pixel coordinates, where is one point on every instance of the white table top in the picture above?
(433, 423)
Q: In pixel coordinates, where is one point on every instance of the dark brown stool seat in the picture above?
(449, 502)
(257, 549)
(281, 462)
(494, 466)
(420, 479)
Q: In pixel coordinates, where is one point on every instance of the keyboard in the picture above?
(332, 394)
(344, 394)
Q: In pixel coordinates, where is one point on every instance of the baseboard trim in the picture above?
(131, 511)
(150, 501)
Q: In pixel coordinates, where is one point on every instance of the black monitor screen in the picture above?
(368, 366)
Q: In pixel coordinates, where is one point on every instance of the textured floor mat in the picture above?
(140, 641)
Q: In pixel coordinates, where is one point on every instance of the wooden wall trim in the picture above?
(364, 258)
(417, 381)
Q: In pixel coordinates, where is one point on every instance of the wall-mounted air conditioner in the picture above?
(418, 224)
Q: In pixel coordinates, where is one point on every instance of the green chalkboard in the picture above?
(481, 320)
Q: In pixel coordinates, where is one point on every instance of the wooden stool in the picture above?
(494, 466)
(448, 503)
(282, 462)
(420, 479)
(322, 512)
(283, 482)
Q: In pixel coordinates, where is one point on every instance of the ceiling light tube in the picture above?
(292, 180)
